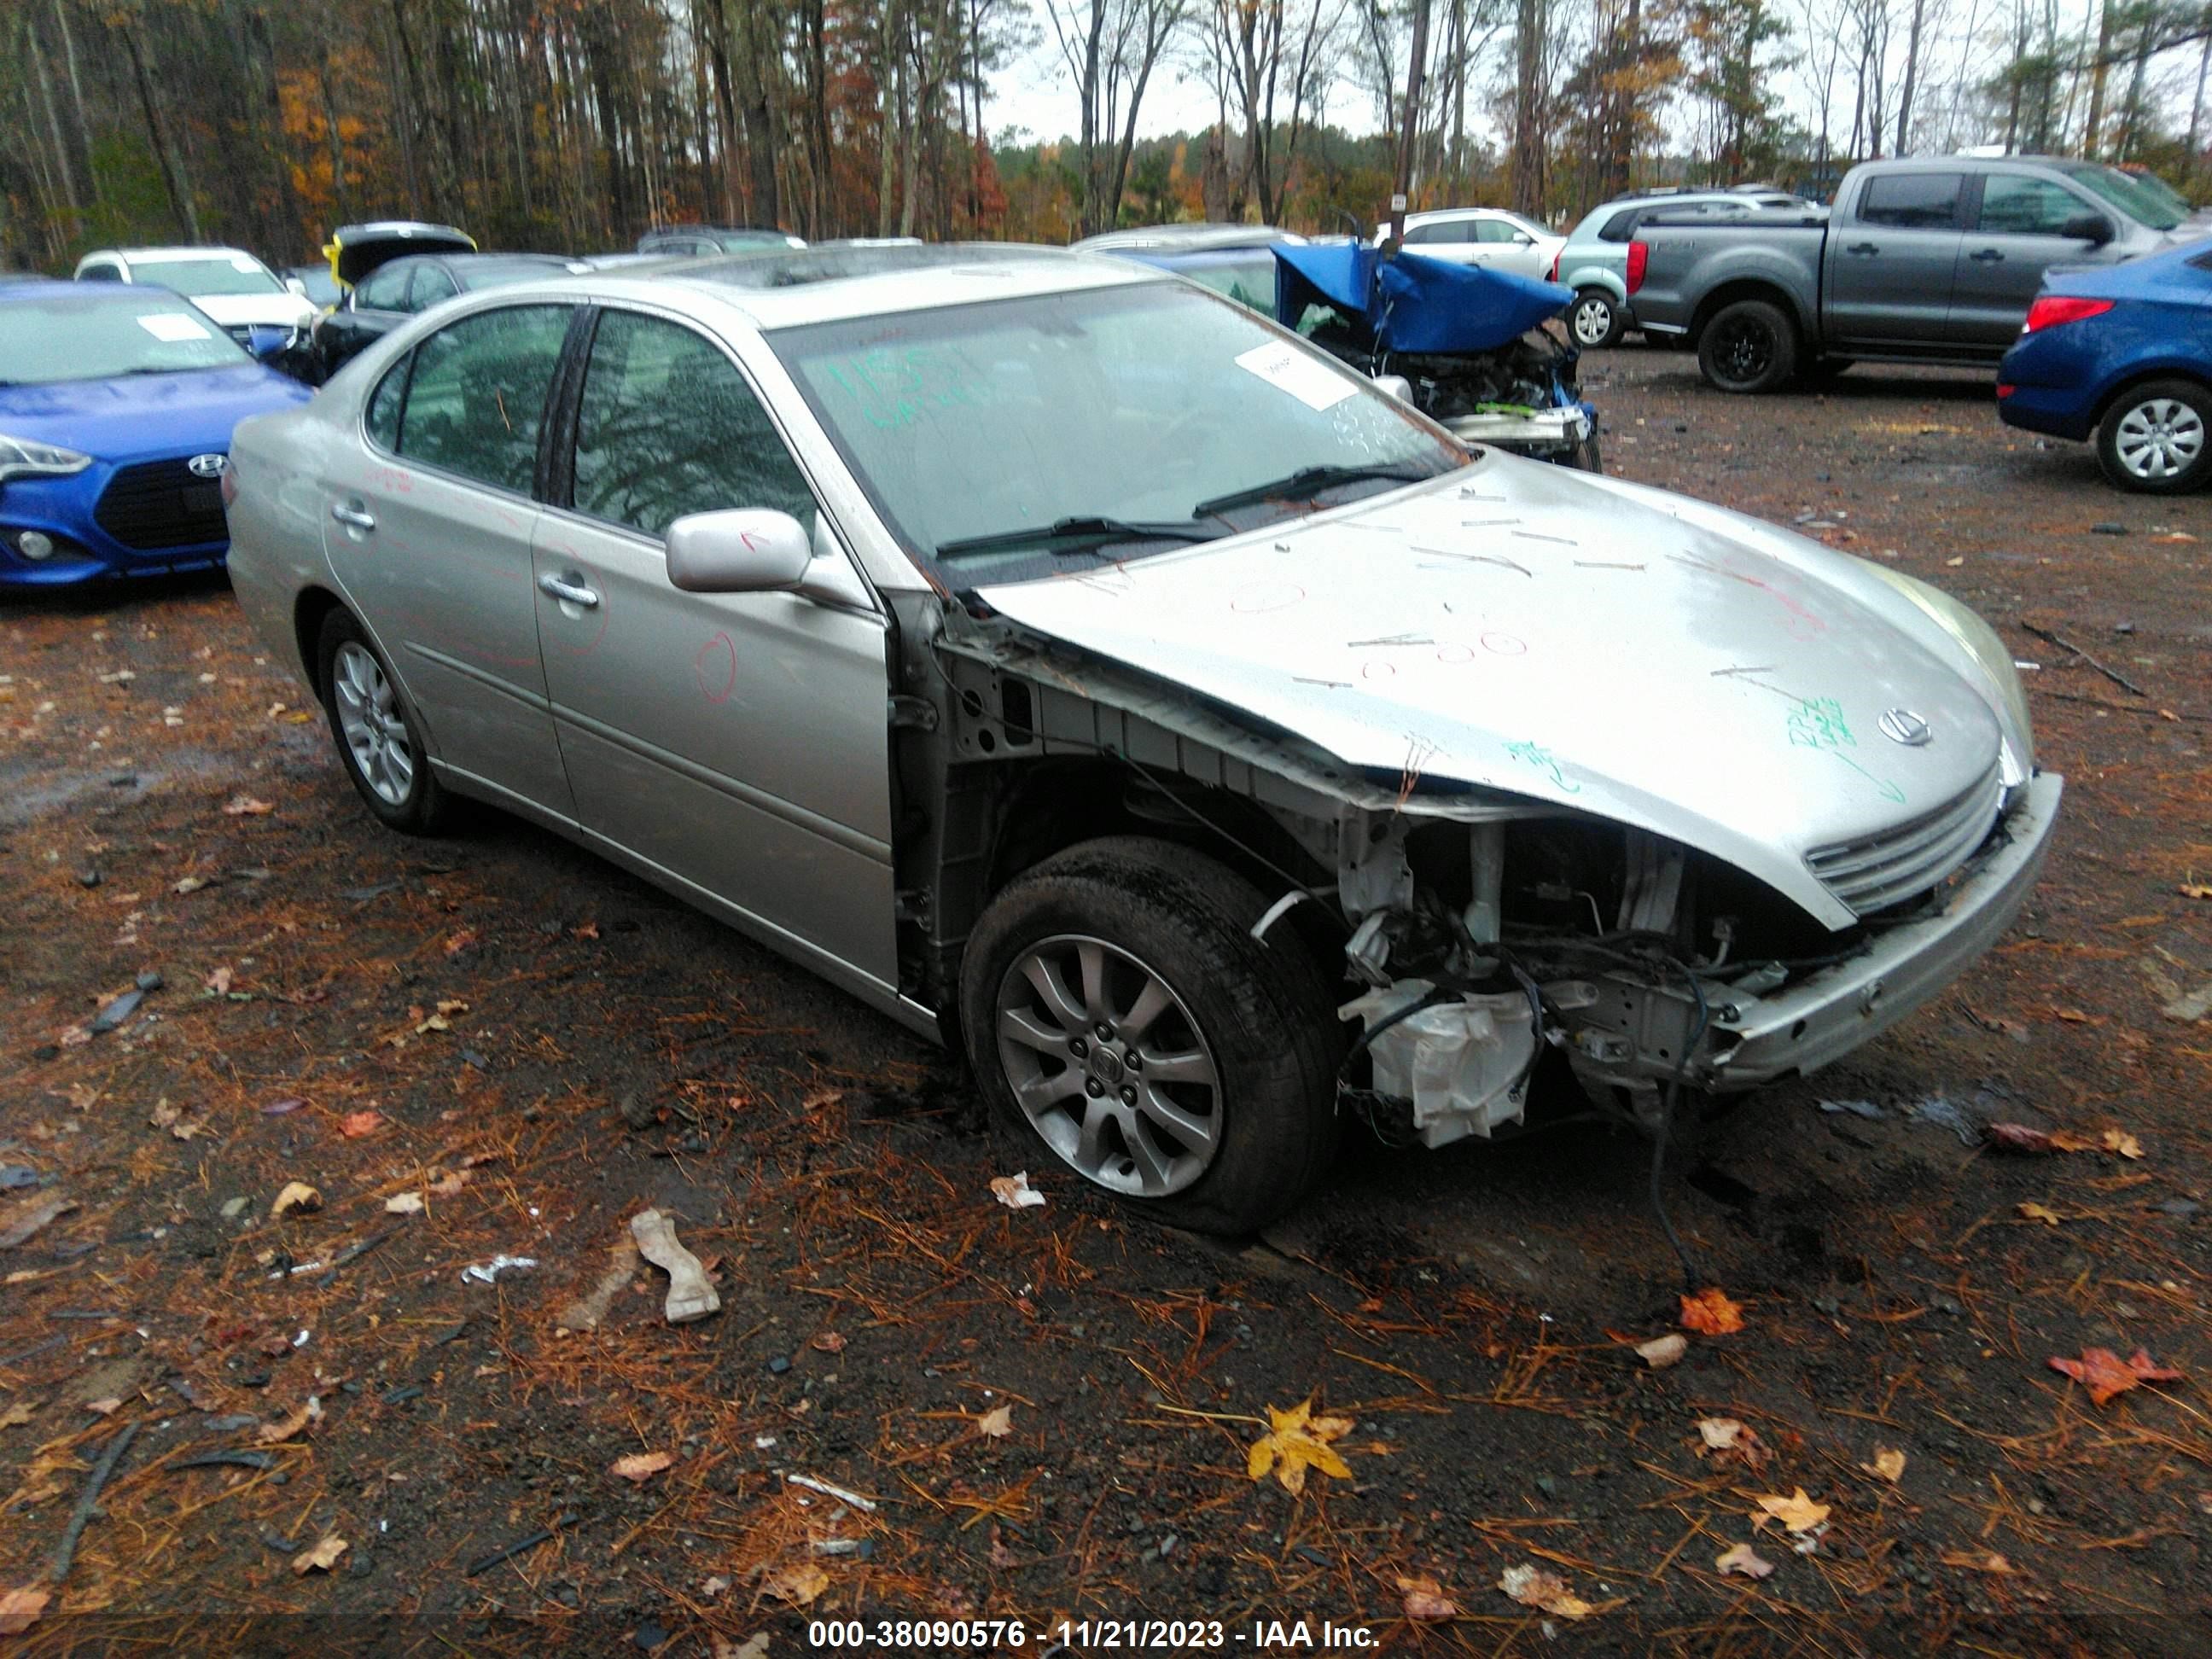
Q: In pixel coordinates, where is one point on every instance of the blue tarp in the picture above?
(1412, 303)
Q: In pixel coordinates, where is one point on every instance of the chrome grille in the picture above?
(1876, 870)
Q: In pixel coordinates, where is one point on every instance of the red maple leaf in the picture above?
(2104, 1374)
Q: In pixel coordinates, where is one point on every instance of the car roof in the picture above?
(202, 250)
(832, 281)
(1185, 236)
(117, 294)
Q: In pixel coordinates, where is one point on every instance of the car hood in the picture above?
(285, 310)
(1578, 641)
(140, 414)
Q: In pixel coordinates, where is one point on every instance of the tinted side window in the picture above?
(2017, 204)
(1492, 230)
(101, 274)
(382, 416)
(1437, 230)
(431, 285)
(478, 397)
(668, 426)
(1620, 227)
(1913, 201)
(383, 290)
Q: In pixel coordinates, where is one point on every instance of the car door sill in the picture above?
(885, 999)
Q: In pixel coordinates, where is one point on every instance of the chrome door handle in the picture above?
(1863, 248)
(568, 593)
(352, 516)
(1987, 255)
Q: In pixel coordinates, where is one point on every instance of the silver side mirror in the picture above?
(740, 551)
(297, 286)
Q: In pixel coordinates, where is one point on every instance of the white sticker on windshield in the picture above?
(1312, 384)
(172, 325)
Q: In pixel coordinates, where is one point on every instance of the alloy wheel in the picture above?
(1109, 1066)
(1744, 350)
(1593, 321)
(368, 715)
(2160, 438)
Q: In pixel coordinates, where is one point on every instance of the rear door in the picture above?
(427, 514)
(1890, 261)
(1443, 239)
(2016, 237)
(737, 742)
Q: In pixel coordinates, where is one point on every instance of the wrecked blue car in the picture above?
(1469, 344)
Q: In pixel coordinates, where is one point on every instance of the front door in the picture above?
(2017, 236)
(428, 518)
(1888, 271)
(737, 743)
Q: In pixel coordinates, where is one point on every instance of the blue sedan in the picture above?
(117, 405)
(2122, 353)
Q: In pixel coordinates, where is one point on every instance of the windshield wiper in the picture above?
(1090, 529)
(1310, 480)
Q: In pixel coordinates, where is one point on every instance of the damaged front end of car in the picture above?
(1473, 930)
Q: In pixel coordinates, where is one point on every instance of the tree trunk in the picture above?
(172, 171)
(2093, 129)
(1911, 74)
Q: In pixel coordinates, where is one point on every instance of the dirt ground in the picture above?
(493, 1044)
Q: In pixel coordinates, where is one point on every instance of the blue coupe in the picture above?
(2122, 353)
(117, 405)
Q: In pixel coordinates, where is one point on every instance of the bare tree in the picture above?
(1111, 48)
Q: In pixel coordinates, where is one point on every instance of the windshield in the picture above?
(99, 336)
(236, 273)
(1137, 404)
(2123, 194)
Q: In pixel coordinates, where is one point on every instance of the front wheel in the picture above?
(1749, 347)
(1121, 1018)
(2153, 439)
(1596, 319)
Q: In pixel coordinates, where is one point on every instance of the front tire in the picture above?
(379, 739)
(2156, 439)
(1596, 319)
(1119, 1017)
(1748, 348)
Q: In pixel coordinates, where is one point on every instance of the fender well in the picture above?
(1748, 288)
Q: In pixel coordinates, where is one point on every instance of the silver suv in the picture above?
(1596, 261)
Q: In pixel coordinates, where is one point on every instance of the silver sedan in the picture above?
(1075, 666)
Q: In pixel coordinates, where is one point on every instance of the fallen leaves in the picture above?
(1976, 1560)
(1662, 1351)
(25, 1220)
(273, 1434)
(2032, 1212)
(1725, 1441)
(997, 1422)
(457, 943)
(403, 1203)
(1887, 1463)
(796, 1584)
(245, 806)
(1425, 1601)
(2107, 1376)
(2019, 1138)
(1710, 1313)
(1296, 1441)
(1534, 1586)
(19, 1609)
(1015, 1192)
(1798, 1513)
(355, 1125)
(642, 1467)
(218, 981)
(322, 1558)
(827, 1341)
(1744, 1560)
(296, 1195)
(2120, 1141)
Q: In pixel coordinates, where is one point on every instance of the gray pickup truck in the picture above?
(1920, 261)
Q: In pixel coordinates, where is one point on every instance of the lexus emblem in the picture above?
(207, 466)
(1903, 725)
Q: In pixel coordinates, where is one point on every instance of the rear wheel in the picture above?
(2156, 439)
(1121, 1018)
(378, 737)
(1595, 319)
(1748, 347)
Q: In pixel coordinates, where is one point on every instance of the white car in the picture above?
(235, 290)
(1481, 236)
